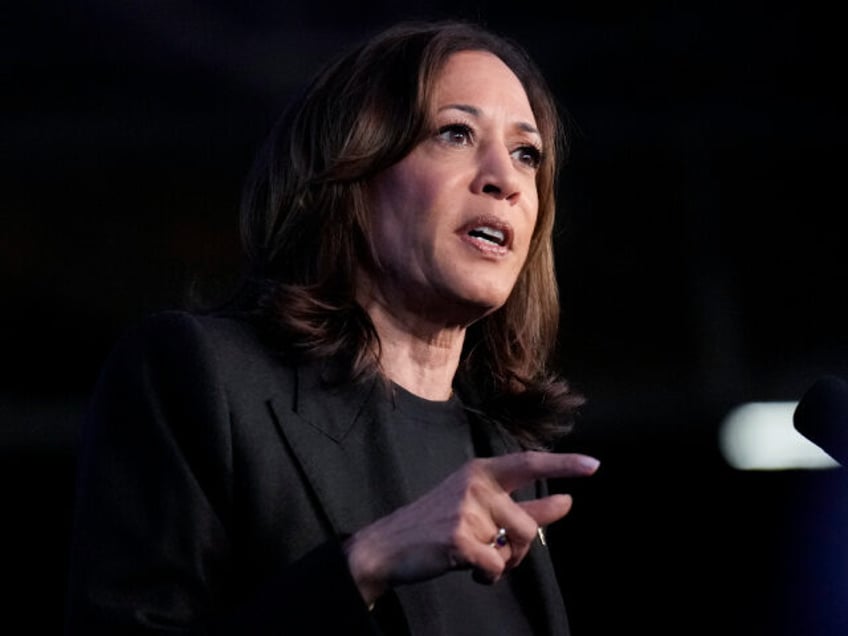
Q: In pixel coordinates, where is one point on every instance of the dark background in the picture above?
(701, 257)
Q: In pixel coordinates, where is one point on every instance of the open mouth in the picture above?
(489, 234)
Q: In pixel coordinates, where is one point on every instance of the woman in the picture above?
(366, 421)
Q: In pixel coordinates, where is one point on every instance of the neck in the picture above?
(418, 354)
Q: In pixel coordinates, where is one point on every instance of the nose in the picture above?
(497, 175)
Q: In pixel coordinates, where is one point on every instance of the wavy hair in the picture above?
(305, 223)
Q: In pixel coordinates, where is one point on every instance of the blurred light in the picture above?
(762, 436)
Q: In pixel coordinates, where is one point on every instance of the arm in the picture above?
(152, 549)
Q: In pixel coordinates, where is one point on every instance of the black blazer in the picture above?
(216, 483)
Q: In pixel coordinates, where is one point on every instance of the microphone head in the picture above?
(822, 416)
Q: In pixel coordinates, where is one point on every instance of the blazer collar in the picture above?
(333, 434)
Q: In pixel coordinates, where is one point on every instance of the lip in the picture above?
(482, 244)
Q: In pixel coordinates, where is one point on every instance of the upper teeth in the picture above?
(490, 234)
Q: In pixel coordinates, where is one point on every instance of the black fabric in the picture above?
(435, 439)
(216, 484)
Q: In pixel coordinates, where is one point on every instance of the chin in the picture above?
(478, 304)
(467, 296)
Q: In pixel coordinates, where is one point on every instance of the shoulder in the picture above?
(183, 346)
(178, 332)
(184, 326)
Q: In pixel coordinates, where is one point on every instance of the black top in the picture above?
(217, 481)
(434, 439)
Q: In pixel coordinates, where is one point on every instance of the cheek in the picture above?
(395, 193)
(406, 199)
(396, 209)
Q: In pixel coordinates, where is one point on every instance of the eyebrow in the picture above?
(476, 112)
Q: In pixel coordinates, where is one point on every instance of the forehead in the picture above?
(480, 78)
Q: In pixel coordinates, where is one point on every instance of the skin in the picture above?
(476, 168)
(437, 275)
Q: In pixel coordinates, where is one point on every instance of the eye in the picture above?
(528, 155)
(456, 134)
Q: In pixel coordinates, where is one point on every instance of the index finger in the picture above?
(518, 469)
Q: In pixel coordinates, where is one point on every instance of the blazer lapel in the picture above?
(334, 434)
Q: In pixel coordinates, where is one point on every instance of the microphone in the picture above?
(822, 416)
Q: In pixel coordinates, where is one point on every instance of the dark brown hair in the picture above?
(305, 223)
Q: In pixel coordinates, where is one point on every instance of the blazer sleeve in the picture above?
(151, 549)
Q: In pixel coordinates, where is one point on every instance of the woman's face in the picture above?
(454, 218)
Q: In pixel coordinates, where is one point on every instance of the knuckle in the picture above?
(462, 531)
(458, 534)
(477, 468)
(528, 460)
(478, 480)
(476, 489)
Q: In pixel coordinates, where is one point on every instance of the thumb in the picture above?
(546, 510)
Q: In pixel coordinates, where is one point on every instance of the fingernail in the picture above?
(590, 464)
